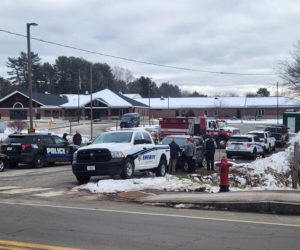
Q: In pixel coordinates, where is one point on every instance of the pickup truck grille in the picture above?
(93, 155)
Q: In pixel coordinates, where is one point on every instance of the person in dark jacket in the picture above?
(210, 148)
(65, 136)
(189, 149)
(174, 152)
(77, 139)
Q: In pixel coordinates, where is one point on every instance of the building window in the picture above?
(47, 113)
(18, 114)
(260, 112)
(18, 105)
(206, 112)
(55, 113)
(216, 112)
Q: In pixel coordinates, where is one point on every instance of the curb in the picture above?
(272, 207)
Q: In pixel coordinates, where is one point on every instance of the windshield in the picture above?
(260, 135)
(240, 139)
(222, 124)
(121, 137)
(179, 140)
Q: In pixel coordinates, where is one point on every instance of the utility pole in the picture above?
(91, 90)
(149, 103)
(29, 73)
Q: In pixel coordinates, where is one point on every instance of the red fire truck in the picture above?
(201, 126)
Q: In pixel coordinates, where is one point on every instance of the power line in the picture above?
(136, 61)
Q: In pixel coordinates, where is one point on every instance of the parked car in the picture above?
(266, 138)
(37, 149)
(280, 133)
(244, 145)
(3, 162)
(120, 153)
(130, 120)
(181, 141)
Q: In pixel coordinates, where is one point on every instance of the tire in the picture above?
(128, 169)
(39, 161)
(203, 163)
(269, 149)
(229, 156)
(254, 154)
(264, 152)
(185, 166)
(2, 164)
(161, 170)
(51, 163)
(274, 148)
(83, 178)
(13, 164)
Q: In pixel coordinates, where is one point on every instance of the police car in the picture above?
(37, 149)
(244, 145)
(3, 162)
(120, 153)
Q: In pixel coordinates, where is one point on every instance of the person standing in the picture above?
(77, 139)
(189, 153)
(174, 153)
(65, 136)
(210, 148)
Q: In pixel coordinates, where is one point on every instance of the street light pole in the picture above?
(29, 73)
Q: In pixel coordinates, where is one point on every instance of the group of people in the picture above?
(77, 139)
(190, 154)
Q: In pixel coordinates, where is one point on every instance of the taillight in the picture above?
(266, 141)
(226, 144)
(249, 145)
(24, 146)
(279, 137)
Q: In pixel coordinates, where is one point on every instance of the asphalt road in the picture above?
(39, 207)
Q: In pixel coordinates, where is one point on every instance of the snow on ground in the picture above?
(257, 121)
(167, 183)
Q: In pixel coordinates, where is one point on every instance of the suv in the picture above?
(280, 133)
(181, 141)
(266, 138)
(244, 145)
(130, 120)
(37, 149)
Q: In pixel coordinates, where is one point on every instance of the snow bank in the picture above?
(167, 183)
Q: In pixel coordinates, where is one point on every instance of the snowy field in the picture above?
(270, 173)
(257, 121)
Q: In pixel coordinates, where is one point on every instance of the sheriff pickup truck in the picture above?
(120, 153)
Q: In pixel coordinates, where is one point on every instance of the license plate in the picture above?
(237, 147)
(90, 168)
(9, 148)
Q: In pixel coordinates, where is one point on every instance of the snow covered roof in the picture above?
(212, 102)
(106, 96)
(133, 96)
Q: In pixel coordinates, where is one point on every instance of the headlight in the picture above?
(117, 154)
(75, 156)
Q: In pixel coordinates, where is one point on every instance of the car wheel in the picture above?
(185, 167)
(229, 156)
(274, 148)
(162, 168)
(128, 169)
(269, 149)
(264, 152)
(2, 164)
(254, 154)
(13, 164)
(83, 178)
(39, 161)
(203, 162)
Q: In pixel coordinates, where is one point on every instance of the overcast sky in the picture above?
(239, 36)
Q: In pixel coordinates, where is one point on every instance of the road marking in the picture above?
(50, 194)
(8, 187)
(152, 214)
(24, 190)
(7, 245)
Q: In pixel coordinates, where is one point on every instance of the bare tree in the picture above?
(290, 71)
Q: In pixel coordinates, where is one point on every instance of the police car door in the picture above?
(139, 150)
(60, 149)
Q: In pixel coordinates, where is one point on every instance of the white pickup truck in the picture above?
(265, 137)
(120, 153)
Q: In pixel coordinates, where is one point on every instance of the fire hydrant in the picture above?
(224, 172)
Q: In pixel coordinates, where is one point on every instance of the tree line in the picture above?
(62, 77)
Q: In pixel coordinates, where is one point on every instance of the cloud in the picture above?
(231, 35)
